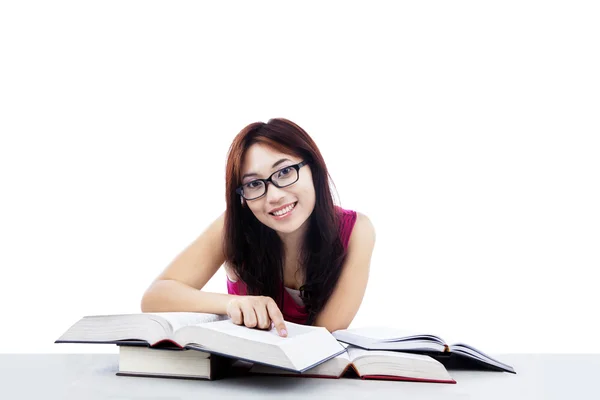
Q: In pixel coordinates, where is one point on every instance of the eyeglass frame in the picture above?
(240, 189)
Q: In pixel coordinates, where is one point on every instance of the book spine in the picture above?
(166, 342)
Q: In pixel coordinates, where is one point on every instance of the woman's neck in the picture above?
(293, 274)
(292, 241)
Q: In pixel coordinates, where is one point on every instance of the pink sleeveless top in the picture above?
(292, 311)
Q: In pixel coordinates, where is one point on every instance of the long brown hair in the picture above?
(255, 251)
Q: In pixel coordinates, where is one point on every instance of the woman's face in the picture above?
(259, 159)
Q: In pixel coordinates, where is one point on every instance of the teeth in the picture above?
(285, 210)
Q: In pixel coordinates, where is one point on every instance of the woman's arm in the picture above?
(177, 288)
(342, 306)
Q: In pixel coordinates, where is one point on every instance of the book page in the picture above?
(355, 353)
(303, 348)
(385, 334)
(381, 333)
(258, 335)
(330, 368)
(178, 320)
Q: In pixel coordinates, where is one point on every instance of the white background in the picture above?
(468, 133)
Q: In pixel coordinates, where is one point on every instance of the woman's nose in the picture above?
(274, 194)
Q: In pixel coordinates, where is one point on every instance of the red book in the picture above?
(369, 364)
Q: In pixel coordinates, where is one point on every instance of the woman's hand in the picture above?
(256, 312)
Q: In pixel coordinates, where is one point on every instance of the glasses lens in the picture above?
(253, 189)
(286, 176)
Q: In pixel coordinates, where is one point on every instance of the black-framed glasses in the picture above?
(281, 178)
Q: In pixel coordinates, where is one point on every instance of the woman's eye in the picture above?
(253, 184)
(284, 171)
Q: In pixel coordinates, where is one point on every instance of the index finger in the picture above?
(277, 318)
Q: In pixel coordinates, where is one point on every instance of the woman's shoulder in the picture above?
(356, 218)
(362, 237)
(355, 226)
(346, 215)
(364, 225)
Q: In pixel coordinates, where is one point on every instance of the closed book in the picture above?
(143, 361)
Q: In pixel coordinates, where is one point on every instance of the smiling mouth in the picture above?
(293, 205)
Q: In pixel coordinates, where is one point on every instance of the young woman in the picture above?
(289, 253)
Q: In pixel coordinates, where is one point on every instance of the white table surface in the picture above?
(92, 376)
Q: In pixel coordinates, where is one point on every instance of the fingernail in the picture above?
(283, 332)
(272, 325)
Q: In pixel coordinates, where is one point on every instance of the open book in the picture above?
(171, 363)
(459, 355)
(303, 348)
(386, 365)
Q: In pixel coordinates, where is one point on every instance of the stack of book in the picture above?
(208, 346)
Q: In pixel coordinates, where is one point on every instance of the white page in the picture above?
(264, 336)
(344, 356)
(327, 368)
(382, 333)
(296, 351)
(307, 350)
(355, 352)
(180, 319)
